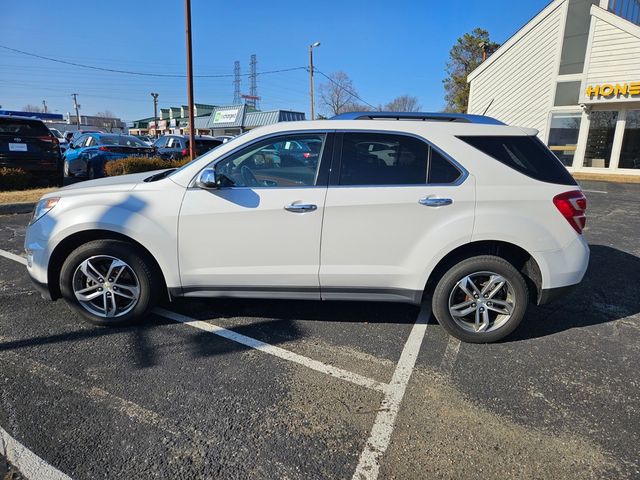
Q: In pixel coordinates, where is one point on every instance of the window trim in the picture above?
(322, 173)
(334, 181)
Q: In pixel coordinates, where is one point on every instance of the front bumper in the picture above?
(42, 288)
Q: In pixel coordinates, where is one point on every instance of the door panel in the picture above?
(258, 235)
(380, 241)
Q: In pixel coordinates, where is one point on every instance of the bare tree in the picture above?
(403, 103)
(32, 108)
(106, 114)
(338, 94)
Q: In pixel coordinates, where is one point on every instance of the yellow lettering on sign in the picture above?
(606, 90)
(591, 91)
(621, 89)
(609, 90)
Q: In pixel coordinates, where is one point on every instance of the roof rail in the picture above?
(420, 116)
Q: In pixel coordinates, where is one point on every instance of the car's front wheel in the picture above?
(481, 299)
(109, 282)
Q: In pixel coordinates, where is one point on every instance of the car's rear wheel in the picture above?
(481, 299)
(109, 282)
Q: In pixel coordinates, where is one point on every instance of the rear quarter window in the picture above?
(23, 128)
(525, 154)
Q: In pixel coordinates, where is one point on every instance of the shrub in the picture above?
(124, 166)
(14, 179)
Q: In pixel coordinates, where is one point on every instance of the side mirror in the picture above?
(207, 179)
(72, 146)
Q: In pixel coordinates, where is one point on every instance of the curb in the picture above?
(11, 208)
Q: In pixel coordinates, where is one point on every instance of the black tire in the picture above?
(91, 173)
(484, 263)
(147, 276)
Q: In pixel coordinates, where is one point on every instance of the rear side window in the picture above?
(390, 159)
(23, 128)
(526, 154)
(206, 144)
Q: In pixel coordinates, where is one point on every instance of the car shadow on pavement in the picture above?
(608, 292)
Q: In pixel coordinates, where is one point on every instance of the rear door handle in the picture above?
(435, 202)
(301, 207)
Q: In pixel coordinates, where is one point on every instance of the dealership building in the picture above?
(573, 73)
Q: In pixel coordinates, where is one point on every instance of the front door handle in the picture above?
(301, 207)
(435, 202)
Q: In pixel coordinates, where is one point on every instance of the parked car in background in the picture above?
(62, 141)
(146, 139)
(174, 147)
(87, 155)
(477, 217)
(223, 138)
(28, 144)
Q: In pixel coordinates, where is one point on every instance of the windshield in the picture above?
(121, 140)
(24, 128)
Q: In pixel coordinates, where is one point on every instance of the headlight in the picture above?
(43, 206)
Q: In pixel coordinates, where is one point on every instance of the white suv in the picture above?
(478, 214)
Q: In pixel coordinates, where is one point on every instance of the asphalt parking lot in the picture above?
(289, 389)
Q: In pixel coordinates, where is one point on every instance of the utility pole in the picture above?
(44, 105)
(187, 19)
(155, 111)
(253, 76)
(315, 44)
(236, 83)
(75, 103)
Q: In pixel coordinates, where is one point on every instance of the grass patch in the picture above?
(24, 196)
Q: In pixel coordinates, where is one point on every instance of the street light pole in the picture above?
(75, 102)
(155, 111)
(187, 18)
(315, 44)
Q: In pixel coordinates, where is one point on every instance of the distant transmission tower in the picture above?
(236, 83)
(253, 91)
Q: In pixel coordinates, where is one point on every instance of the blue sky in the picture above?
(387, 47)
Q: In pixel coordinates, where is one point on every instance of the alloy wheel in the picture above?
(482, 302)
(106, 286)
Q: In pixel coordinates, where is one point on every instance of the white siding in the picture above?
(614, 56)
(521, 80)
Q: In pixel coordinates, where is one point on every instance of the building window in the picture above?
(567, 93)
(602, 128)
(563, 135)
(630, 154)
(576, 35)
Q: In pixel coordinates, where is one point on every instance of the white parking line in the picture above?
(13, 256)
(595, 191)
(276, 351)
(28, 463)
(369, 464)
(450, 355)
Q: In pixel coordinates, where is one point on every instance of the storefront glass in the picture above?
(563, 135)
(600, 139)
(630, 154)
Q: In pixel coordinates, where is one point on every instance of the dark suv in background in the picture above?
(27, 143)
(175, 147)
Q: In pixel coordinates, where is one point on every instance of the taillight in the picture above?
(184, 152)
(306, 155)
(104, 149)
(572, 205)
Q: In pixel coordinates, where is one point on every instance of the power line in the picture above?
(353, 94)
(145, 74)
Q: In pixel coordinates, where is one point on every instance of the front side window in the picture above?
(391, 159)
(270, 163)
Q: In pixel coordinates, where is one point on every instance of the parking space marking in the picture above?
(276, 351)
(27, 462)
(450, 355)
(595, 191)
(369, 464)
(13, 256)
